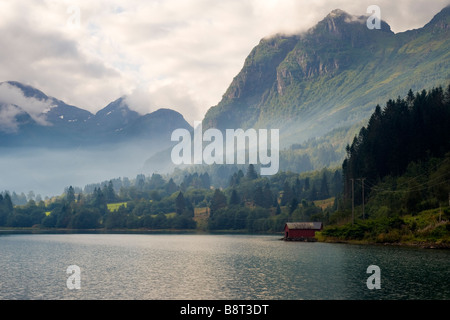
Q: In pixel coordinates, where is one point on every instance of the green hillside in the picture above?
(331, 77)
(397, 174)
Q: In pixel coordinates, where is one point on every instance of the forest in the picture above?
(397, 173)
(393, 186)
(249, 202)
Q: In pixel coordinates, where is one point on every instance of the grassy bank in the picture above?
(430, 228)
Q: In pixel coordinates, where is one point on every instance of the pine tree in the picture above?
(258, 197)
(288, 194)
(206, 180)
(7, 201)
(298, 188)
(99, 200)
(156, 181)
(171, 187)
(293, 205)
(278, 209)
(110, 194)
(306, 185)
(234, 198)
(70, 197)
(251, 172)
(180, 203)
(268, 196)
(324, 192)
(313, 193)
(140, 182)
(337, 182)
(218, 201)
(4, 211)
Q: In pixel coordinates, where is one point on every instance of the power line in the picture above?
(417, 188)
(423, 174)
(374, 186)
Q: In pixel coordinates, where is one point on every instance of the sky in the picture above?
(178, 54)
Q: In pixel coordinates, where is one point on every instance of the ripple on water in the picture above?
(144, 266)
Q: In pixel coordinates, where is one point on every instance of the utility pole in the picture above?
(353, 200)
(362, 183)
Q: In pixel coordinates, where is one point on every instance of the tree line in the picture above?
(408, 130)
(249, 202)
(398, 164)
(397, 173)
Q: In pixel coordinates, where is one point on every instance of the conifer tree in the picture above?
(251, 172)
(234, 198)
(70, 197)
(218, 201)
(180, 203)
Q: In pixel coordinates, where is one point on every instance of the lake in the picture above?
(206, 266)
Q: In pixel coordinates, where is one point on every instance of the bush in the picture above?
(440, 231)
(347, 232)
(392, 236)
(86, 219)
(395, 223)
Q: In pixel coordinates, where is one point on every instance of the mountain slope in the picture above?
(30, 118)
(331, 76)
(114, 116)
(47, 145)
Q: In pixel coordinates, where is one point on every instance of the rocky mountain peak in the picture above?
(441, 21)
(339, 22)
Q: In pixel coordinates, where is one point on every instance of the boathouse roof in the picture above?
(304, 225)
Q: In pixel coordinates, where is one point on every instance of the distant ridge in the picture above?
(65, 126)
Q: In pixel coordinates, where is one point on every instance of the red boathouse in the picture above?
(304, 231)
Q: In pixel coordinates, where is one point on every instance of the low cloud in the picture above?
(180, 54)
(8, 122)
(13, 103)
(175, 96)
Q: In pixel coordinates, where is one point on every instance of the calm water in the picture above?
(143, 266)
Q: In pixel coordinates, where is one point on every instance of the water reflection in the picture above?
(138, 266)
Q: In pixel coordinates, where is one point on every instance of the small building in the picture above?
(301, 231)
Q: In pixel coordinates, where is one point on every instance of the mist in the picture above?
(49, 171)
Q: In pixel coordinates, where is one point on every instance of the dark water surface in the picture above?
(188, 266)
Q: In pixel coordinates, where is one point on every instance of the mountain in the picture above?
(33, 119)
(54, 145)
(331, 76)
(115, 116)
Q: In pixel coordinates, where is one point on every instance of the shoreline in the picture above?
(412, 244)
(34, 230)
(320, 239)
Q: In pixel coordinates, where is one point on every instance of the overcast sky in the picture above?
(179, 54)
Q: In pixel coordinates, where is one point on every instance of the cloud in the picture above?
(8, 122)
(13, 103)
(172, 95)
(40, 50)
(179, 54)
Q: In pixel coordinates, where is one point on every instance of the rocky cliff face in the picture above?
(332, 75)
